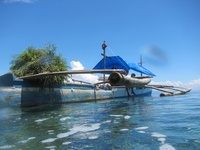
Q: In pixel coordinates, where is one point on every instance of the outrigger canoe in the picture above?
(19, 91)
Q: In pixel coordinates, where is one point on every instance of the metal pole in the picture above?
(141, 62)
(104, 54)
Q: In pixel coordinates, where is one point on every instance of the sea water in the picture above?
(148, 123)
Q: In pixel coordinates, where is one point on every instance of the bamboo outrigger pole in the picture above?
(165, 89)
(39, 75)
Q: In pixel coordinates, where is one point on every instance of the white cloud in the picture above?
(91, 78)
(22, 1)
(76, 65)
(194, 84)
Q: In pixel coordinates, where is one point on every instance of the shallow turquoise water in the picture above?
(147, 123)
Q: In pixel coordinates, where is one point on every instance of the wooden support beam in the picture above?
(70, 72)
(165, 89)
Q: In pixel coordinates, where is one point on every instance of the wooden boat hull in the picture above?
(31, 96)
(74, 93)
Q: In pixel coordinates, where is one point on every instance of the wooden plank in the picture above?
(165, 89)
(70, 72)
(161, 86)
(80, 81)
(159, 89)
(176, 93)
(176, 88)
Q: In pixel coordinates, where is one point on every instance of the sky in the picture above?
(166, 33)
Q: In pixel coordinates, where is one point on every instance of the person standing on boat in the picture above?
(104, 45)
(132, 90)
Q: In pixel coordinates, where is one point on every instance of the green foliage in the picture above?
(34, 61)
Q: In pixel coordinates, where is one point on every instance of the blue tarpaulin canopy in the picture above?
(113, 62)
(141, 69)
(116, 62)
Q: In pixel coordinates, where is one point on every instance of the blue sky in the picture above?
(130, 28)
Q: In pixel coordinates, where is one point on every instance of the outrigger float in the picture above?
(117, 85)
